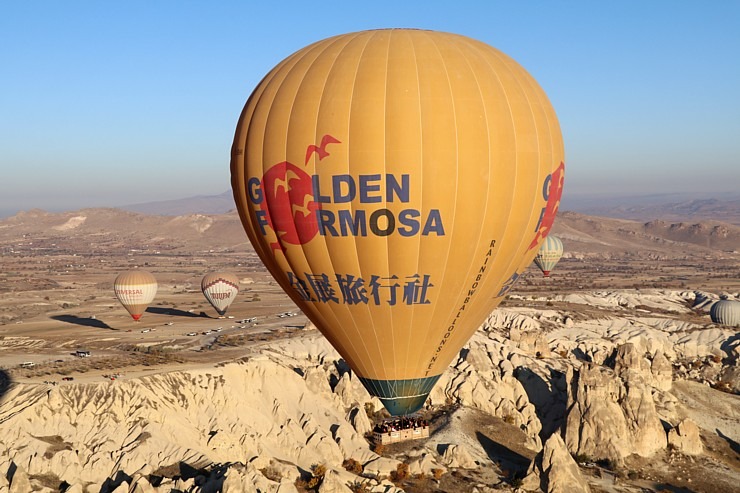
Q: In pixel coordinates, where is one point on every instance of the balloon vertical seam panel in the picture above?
(330, 146)
(418, 314)
(362, 246)
(329, 143)
(470, 193)
(299, 129)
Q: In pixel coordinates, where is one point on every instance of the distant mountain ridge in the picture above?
(90, 230)
(201, 204)
(675, 207)
(665, 207)
(602, 235)
(98, 230)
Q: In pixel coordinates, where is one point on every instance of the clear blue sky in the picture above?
(112, 103)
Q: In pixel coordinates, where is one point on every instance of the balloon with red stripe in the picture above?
(220, 289)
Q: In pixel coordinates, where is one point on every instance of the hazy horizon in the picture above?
(113, 104)
(583, 202)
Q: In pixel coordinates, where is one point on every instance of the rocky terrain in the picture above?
(608, 377)
(541, 399)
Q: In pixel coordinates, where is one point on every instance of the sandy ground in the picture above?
(47, 319)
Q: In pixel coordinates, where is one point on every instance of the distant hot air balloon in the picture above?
(726, 312)
(135, 289)
(220, 289)
(396, 183)
(548, 255)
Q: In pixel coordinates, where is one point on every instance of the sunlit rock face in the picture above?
(554, 470)
(610, 417)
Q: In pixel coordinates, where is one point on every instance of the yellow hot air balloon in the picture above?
(220, 289)
(135, 289)
(396, 183)
(549, 254)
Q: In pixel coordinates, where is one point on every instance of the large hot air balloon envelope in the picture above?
(549, 254)
(396, 183)
(726, 312)
(220, 289)
(135, 289)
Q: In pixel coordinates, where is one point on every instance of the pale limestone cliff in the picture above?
(554, 470)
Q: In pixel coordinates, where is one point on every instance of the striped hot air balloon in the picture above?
(726, 312)
(548, 255)
(220, 289)
(135, 289)
(396, 183)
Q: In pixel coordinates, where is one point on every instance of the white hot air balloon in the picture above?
(220, 289)
(135, 289)
(726, 312)
(549, 254)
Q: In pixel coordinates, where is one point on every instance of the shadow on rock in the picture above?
(729, 344)
(732, 443)
(506, 458)
(84, 321)
(669, 488)
(212, 479)
(111, 484)
(188, 472)
(549, 398)
(5, 383)
(578, 353)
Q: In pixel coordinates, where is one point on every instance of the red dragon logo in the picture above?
(552, 191)
(289, 204)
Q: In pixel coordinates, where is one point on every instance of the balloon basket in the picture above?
(403, 429)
